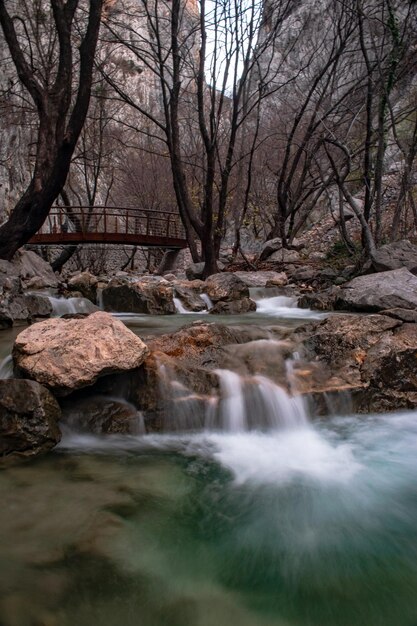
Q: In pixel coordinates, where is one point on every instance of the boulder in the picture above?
(29, 265)
(406, 315)
(152, 295)
(303, 274)
(26, 306)
(285, 256)
(373, 356)
(377, 292)
(236, 307)
(194, 270)
(320, 301)
(86, 284)
(67, 354)
(29, 417)
(263, 278)
(274, 245)
(226, 287)
(395, 255)
(279, 280)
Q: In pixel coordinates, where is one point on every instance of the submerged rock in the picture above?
(101, 415)
(29, 417)
(377, 292)
(69, 354)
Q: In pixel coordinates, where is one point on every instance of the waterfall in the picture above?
(65, 306)
(180, 307)
(207, 300)
(237, 404)
(6, 367)
(232, 404)
(282, 306)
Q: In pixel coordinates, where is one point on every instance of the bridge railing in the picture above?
(113, 221)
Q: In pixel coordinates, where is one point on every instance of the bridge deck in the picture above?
(112, 225)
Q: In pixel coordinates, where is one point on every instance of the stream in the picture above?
(264, 517)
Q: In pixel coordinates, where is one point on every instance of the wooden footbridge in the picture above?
(112, 225)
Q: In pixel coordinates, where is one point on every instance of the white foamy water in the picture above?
(284, 306)
(232, 404)
(207, 300)
(284, 456)
(65, 306)
(180, 308)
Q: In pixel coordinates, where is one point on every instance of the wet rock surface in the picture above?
(69, 354)
(373, 356)
(188, 293)
(29, 417)
(101, 415)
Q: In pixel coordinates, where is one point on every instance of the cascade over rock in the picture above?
(186, 358)
(66, 354)
(29, 417)
(188, 291)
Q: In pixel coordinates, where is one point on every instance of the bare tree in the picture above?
(43, 52)
(204, 62)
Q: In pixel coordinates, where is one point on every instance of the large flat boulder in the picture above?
(395, 255)
(29, 417)
(67, 354)
(377, 292)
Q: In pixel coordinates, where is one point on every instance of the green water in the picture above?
(307, 526)
(316, 526)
